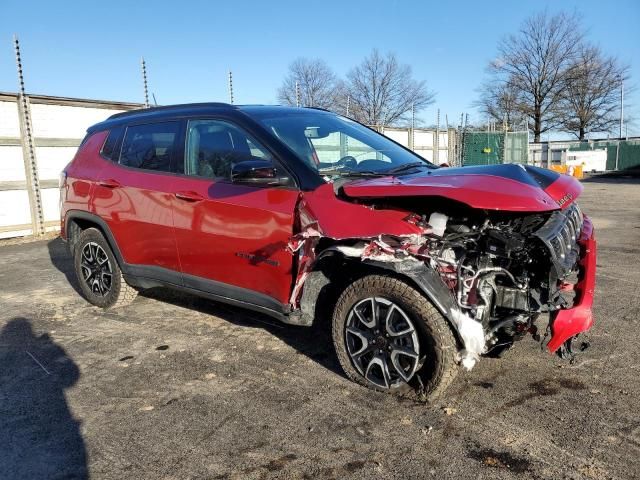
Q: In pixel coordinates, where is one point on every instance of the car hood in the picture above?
(507, 187)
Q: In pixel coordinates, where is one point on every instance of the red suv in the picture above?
(287, 210)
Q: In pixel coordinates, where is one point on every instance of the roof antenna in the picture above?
(144, 81)
(230, 87)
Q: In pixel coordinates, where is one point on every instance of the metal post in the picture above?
(413, 127)
(230, 87)
(297, 94)
(621, 107)
(29, 151)
(144, 82)
(436, 152)
(446, 123)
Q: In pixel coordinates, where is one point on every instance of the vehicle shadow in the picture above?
(61, 259)
(315, 342)
(39, 436)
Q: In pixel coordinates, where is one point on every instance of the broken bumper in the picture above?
(566, 324)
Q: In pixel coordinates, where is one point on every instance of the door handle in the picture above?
(189, 196)
(110, 183)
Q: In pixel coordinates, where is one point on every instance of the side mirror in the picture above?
(257, 172)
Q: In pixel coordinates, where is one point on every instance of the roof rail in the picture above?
(171, 107)
(319, 108)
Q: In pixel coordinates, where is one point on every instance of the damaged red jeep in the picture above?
(308, 217)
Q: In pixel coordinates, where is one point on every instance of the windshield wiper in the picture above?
(351, 173)
(405, 167)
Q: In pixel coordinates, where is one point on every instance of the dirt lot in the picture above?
(178, 387)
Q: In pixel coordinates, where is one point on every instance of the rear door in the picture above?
(134, 195)
(231, 238)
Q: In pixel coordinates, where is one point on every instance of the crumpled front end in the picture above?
(565, 324)
(492, 274)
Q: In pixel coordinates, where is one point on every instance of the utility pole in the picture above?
(348, 104)
(230, 87)
(297, 94)
(29, 150)
(144, 83)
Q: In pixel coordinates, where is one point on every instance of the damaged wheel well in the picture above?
(333, 272)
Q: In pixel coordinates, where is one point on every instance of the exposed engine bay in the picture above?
(505, 270)
(502, 269)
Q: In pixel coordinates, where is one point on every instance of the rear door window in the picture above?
(150, 146)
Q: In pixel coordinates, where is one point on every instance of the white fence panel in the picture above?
(423, 139)
(400, 136)
(9, 120)
(63, 121)
(11, 164)
(51, 161)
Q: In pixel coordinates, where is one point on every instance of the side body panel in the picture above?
(80, 177)
(236, 235)
(136, 204)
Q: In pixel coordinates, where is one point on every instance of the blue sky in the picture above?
(92, 49)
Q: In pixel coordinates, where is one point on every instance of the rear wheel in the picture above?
(98, 272)
(390, 338)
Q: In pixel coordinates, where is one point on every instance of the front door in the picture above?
(231, 238)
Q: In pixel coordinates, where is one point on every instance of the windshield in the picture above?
(335, 146)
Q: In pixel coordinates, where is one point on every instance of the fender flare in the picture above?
(427, 281)
(90, 217)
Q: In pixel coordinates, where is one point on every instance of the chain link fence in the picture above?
(492, 148)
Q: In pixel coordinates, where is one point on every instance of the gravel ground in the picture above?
(178, 387)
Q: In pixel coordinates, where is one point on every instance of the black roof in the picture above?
(188, 109)
(172, 109)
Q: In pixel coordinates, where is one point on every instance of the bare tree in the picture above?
(591, 97)
(317, 84)
(500, 101)
(382, 91)
(537, 62)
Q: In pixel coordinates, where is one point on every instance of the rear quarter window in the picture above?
(111, 146)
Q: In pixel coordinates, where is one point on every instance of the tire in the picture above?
(98, 272)
(429, 373)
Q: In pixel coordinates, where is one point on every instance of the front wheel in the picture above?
(390, 338)
(98, 272)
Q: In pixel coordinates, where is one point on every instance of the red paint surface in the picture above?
(341, 219)
(568, 323)
(81, 173)
(488, 192)
(565, 187)
(236, 234)
(138, 212)
(478, 191)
